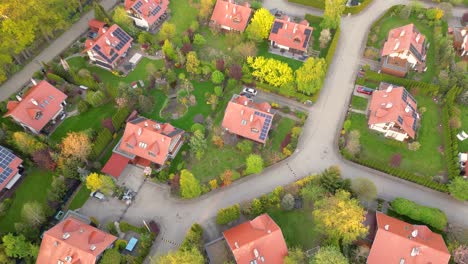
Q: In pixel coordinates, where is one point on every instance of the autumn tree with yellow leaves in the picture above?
(310, 76)
(260, 25)
(76, 145)
(100, 182)
(271, 71)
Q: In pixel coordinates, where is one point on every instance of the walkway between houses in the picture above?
(21, 78)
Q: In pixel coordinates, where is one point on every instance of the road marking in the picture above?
(170, 242)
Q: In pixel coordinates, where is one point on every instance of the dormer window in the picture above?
(297, 40)
(244, 122)
(142, 145)
(151, 153)
(129, 145)
(38, 115)
(254, 130)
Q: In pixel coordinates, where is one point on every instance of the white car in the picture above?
(249, 90)
(98, 195)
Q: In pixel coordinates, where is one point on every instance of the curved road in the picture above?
(316, 151)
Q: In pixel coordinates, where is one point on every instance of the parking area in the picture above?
(114, 208)
(132, 177)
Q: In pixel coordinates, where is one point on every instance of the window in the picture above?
(151, 154)
(244, 122)
(142, 145)
(254, 129)
(129, 145)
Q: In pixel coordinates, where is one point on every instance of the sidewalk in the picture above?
(17, 81)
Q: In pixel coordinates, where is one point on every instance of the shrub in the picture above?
(103, 138)
(414, 146)
(287, 203)
(125, 227)
(245, 146)
(193, 239)
(218, 90)
(332, 48)
(431, 216)
(120, 244)
(119, 117)
(296, 131)
(217, 77)
(213, 184)
(218, 141)
(197, 127)
(257, 207)
(5, 205)
(83, 107)
(254, 164)
(228, 214)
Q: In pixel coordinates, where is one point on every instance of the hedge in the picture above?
(125, 227)
(103, 138)
(320, 4)
(451, 143)
(332, 48)
(119, 117)
(427, 88)
(428, 215)
(194, 238)
(277, 90)
(228, 214)
(356, 9)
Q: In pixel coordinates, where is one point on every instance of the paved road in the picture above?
(16, 82)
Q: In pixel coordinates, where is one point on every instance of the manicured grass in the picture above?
(298, 228)
(359, 103)
(159, 100)
(279, 133)
(33, 188)
(80, 198)
(90, 119)
(463, 145)
(263, 51)
(319, 4)
(427, 161)
(182, 14)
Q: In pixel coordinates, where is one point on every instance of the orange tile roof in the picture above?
(149, 10)
(228, 14)
(400, 40)
(248, 119)
(143, 136)
(258, 239)
(290, 34)
(9, 164)
(388, 105)
(73, 240)
(406, 243)
(38, 106)
(115, 165)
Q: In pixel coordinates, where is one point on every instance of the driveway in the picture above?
(104, 211)
(282, 101)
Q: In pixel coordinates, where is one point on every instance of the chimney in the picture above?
(245, 102)
(139, 131)
(68, 259)
(112, 34)
(402, 33)
(397, 45)
(236, 245)
(66, 235)
(33, 81)
(34, 102)
(389, 88)
(269, 231)
(256, 253)
(415, 252)
(242, 112)
(295, 29)
(251, 117)
(227, 6)
(389, 105)
(414, 233)
(162, 139)
(285, 26)
(234, 10)
(418, 37)
(146, 124)
(157, 126)
(108, 41)
(92, 247)
(407, 110)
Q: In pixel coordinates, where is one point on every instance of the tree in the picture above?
(57, 190)
(353, 145)
(447, 9)
(33, 214)
(100, 182)
(145, 104)
(3, 256)
(434, 14)
(198, 144)
(459, 188)
(100, 13)
(43, 159)
(405, 11)
(364, 189)
(192, 256)
(17, 246)
(460, 255)
(193, 64)
(271, 71)
(325, 37)
(76, 145)
(332, 13)
(199, 40)
(235, 72)
(254, 164)
(206, 7)
(121, 18)
(193, 238)
(111, 256)
(217, 77)
(312, 192)
(287, 203)
(330, 179)
(189, 185)
(27, 143)
(169, 50)
(310, 76)
(245, 146)
(414, 146)
(340, 217)
(167, 32)
(228, 214)
(327, 255)
(295, 256)
(260, 25)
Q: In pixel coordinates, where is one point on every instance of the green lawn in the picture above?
(463, 145)
(159, 100)
(319, 4)
(90, 119)
(426, 161)
(298, 228)
(359, 103)
(80, 198)
(182, 14)
(263, 51)
(279, 133)
(33, 188)
(389, 23)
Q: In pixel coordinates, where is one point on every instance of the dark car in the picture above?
(364, 90)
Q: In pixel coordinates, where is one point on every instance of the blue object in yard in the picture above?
(131, 244)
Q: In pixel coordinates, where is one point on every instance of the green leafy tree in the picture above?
(330, 179)
(100, 13)
(254, 164)
(364, 189)
(287, 203)
(121, 18)
(459, 188)
(260, 25)
(295, 256)
(167, 32)
(310, 76)
(198, 144)
(199, 40)
(17, 246)
(245, 146)
(169, 50)
(3, 256)
(228, 214)
(192, 256)
(340, 217)
(193, 238)
(111, 256)
(189, 185)
(33, 214)
(205, 9)
(332, 13)
(57, 189)
(100, 182)
(217, 77)
(193, 63)
(428, 215)
(327, 255)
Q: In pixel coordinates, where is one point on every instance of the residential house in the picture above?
(290, 36)
(73, 241)
(41, 105)
(257, 241)
(147, 14)
(248, 119)
(460, 41)
(143, 143)
(10, 168)
(404, 49)
(230, 16)
(399, 242)
(393, 112)
(107, 46)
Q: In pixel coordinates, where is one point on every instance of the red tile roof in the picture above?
(73, 240)
(415, 244)
(292, 35)
(96, 25)
(115, 165)
(143, 136)
(257, 239)
(9, 164)
(228, 14)
(144, 8)
(401, 39)
(38, 106)
(248, 119)
(389, 105)
(109, 43)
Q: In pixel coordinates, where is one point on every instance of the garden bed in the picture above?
(359, 103)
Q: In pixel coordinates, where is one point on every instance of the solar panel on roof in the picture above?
(307, 33)
(137, 6)
(400, 120)
(155, 11)
(276, 26)
(416, 52)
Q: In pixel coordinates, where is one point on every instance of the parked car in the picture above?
(249, 90)
(98, 195)
(364, 90)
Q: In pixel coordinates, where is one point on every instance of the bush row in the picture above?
(103, 138)
(451, 143)
(277, 90)
(228, 214)
(426, 88)
(421, 180)
(356, 9)
(125, 227)
(119, 117)
(320, 4)
(431, 216)
(332, 48)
